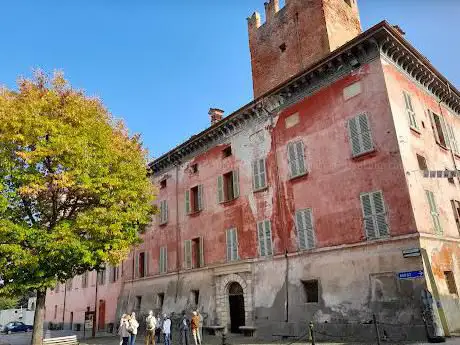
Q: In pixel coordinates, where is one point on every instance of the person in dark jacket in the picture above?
(184, 331)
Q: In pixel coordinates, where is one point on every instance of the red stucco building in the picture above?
(310, 203)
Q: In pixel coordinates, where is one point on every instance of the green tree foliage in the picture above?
(74, 191)
(8, 302)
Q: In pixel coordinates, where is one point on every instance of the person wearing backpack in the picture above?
(150, 326)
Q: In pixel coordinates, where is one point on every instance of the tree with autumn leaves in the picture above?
(74, 188)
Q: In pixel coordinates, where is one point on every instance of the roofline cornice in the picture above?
(381, 39)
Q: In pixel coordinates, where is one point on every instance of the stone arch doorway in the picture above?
(236, 306)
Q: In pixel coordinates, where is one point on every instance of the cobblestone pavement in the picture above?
(24, 339)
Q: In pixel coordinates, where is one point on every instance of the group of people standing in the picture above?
(157, 326)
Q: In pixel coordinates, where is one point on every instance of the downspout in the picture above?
(283, 221)
(178, 239)
(65, 297)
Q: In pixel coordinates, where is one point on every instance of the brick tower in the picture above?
(296, 36)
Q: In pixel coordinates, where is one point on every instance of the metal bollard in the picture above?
(377, 333)
(312, 333)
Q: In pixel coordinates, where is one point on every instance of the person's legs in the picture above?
(198, 335)
(125, 340)
(194, 336)
(167, 338)
(132, 340)
(186, 337)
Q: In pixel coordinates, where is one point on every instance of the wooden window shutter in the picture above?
(380, 214)
(258, 174)
(369, 225)
(136, 265)
(444, 131)
(165, 259)
(187, 201)
(187, 254)
(262, 173)
(300, 157)
(433, 126)
(146, 263)
(366, 135)
(220, 189)
(201, 252)
(234, 244)
(261, 236)
(268, 237)
(434, 212)
(453, 140)
(200, 197)
(229, 245)
(410, 110)
(292, 159)
(300, 226)
(255, 176)
(354, 137)
(166, 211)
(236, 184)
(308, 229)
(360, 135)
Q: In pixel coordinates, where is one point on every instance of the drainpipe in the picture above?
(65, 297)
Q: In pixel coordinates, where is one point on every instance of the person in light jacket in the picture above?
(123, 330)
(167, 329)
(133, 325)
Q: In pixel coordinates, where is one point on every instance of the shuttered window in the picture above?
(194, 199)
(410, 110)
(264, 231)
(187, 254)
(232, 245)
(439, 129)
(228, 186)
(163, 212)
(360, 135)
(296, 158)
(305, 229)
(259, 177)
(163, 260)
(374, 213)
(434, 212)
(453, 139)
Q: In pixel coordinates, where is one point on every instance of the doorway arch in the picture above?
(236, 306)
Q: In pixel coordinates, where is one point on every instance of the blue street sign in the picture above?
(411, 275)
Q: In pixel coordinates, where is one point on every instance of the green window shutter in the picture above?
(410, 110)
(255, 175)
(268, 237)
(166, 211)
(220, 189)
(261, 236)
(146, 263)
(200, 197)
(187, 254)
(365, 131)
(229, 245)
(201, 252)
(380, 214)
(234, 244)
(262, 173)
(369, 226)
(236, 184)
(291, 148)
(353, 131)
(187, 201)
(165, 259)
(161, 260)
(300, 226)
(309, 230)
(300, 157)
(444, 131)
(453, 140)
(434, 127)
(434, 212)
(136, 265)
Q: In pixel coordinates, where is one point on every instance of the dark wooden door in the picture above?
(101, 318)
(236, 304)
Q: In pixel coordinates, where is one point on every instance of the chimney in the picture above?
(216, 115)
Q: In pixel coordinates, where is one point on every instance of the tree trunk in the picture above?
(37, 334)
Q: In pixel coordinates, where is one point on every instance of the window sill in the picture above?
(364, 154)
(228, 202)
(263, 189)
(415, 130)
(163, 224)
(298, 177)
(194, 213)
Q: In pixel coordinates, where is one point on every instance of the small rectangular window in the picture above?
(55, 311)
(195, 296)
(113, 274)
(422, 163)
(305, 230)
(194, 168)
(311, 289)
(197, 252)
(264, 231)
(137, 307)
(228, 186)
(142, 264)
(227, 152)
(163, 212)
(450, 280)
(410, 110)
(160, 300)
(456, 209)
(232, 245)
(163, 260)
(101, 277)
(360, 135)
(163, 184)
(434, 212)
(374, 214)
(296, 158)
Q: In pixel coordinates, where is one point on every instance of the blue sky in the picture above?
(161, 64)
